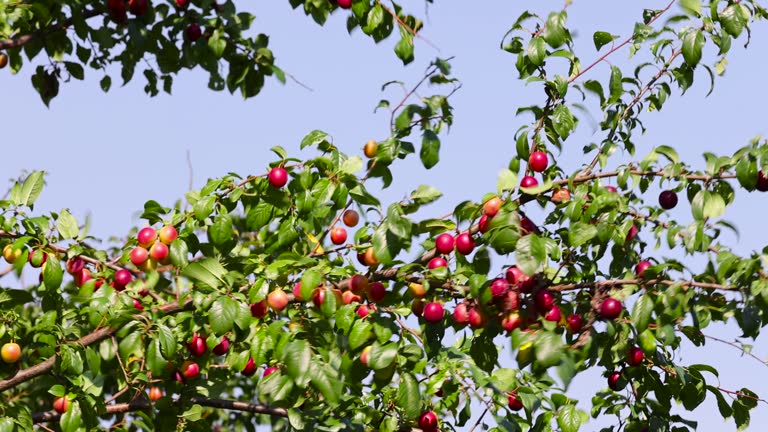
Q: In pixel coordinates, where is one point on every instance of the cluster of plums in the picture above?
(118, 12)
(154, 247)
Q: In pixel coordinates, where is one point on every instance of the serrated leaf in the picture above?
(52, 273)
(563, 121)
(222, 315)
(167, 341)
(179, 253)
(297, 356)
(31, 188)
(220, 233)
(408, 396)
(549, 349)
(507, 181)
(361, 332)
(693, 43)
(67, 225)
(381, 356)
(314, 138)
(217, 42)
(641, 312)
(569, 419)
(425, 194)
(746, 173)
(70, 420)
(352, 165)
(430, 149)
(208, 271)
(537, 51)
(693, 7)
(580, 233)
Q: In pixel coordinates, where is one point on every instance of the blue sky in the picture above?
(107, 154)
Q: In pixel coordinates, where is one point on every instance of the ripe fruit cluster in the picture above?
(153, 248)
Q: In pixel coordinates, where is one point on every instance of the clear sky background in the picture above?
(107, 154)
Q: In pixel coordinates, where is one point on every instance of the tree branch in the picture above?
(144, 405)
(94, 337)
(25, 39)
(643, 282)
(694, 177)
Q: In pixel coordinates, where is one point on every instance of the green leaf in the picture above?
(352, 165)
(505, 379)
(693, 43)
(324, 378)
(714, 205)
(563, 121)
(641, 312)
(67, 225)
(361, 332)
(105, 83)
(297, 356)
(220, 233)
(296, 419)
(404, 48)
(208, 271)
(697, 204)
(384, 244)
(425, 194)
(507, 181)
(381, 356)
(204, 207)
(75, 69)
(537, 51)
(692, 7)
(193, 414)
(430, 149)
(554, 31)
(13, 297)
(569, 419)
(70, 420)
(259, 215)
(733, 19)
(31, 189)
(179, 253)
(52, 273)
(746, 173)
(167, 341)
(549, 349)
(309, 281)
(408, 396)
(580, 233)
(217, 43)
(601, 38)
(155, 359)
(222, 315)
(615, 85)
(314, 138)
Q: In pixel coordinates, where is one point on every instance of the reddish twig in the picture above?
(618, 47)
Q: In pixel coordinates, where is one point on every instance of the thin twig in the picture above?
(763, 362)
(634, 102)
(477, 423)
(618, 47)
